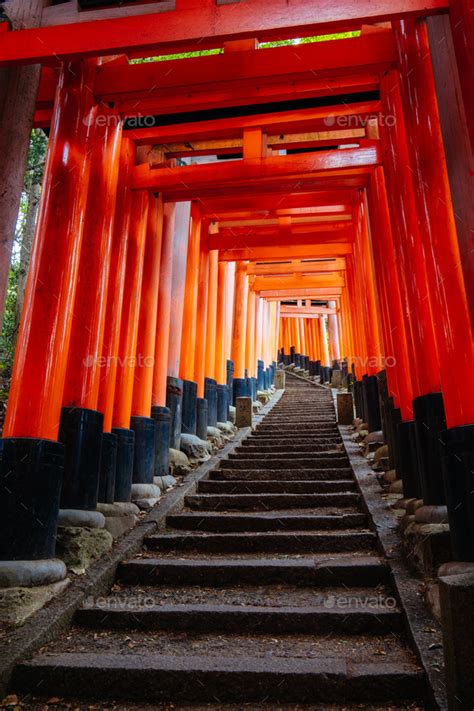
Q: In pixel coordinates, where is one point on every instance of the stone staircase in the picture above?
(266, 589)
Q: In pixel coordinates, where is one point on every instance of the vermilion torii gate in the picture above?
(185, 201)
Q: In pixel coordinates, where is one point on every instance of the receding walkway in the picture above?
(267, 588)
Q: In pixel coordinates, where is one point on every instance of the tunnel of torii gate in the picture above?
(203, 218)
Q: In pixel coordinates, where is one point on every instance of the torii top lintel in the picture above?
(207, 23)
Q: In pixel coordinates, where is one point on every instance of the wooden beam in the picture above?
(293, 251)
(208, 24)
(193, 178)
(353, 115)
(298, 282)
(317, 293)
(250, 203)
(236, 242)
(296, 267)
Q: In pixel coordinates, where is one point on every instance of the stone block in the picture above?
(17, 604)
(243, 412)
(427, 546)
(117, 526)
(336, 379)
(79, 547)
(280, 380)
(345, 408)
(457, 604)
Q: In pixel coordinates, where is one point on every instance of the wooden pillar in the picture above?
(239, 332)
(180, 249)
(202, 311)
(39, 372)
(324, 341)
(115, 287)
(84, 366)
(407, 244)
(462, 26)
(453, 332)
(146, 342)
(221, 326)
(188, 338)
(212, 326)
(250, 335)
(31, 470)
(334, 347)
(164, 308)
(397, 358)
(131, 310)
(229, 307)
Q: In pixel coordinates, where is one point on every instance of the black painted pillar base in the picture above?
(292, 354)
(458, 474)
(124, 469)
(266, 378)
(274, 367)
(297, 360)
(239, 389)
(174, 400)
(430, 423)
(260, 373)
(108, 465)
(222, 403)
(202, 417)
(162, 418)
(80, 430)
(144, 450)
(31, 474)
(371, 394)
(394, 419)
(188, 424)
(409, 460)
(210, 393)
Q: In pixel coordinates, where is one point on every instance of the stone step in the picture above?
(211, 486)
(352, 618)
(202, 678)
(214, 502)
(292, 463)
(292, 449)
(268, 455)
(250, 474)
(274, 542)
(361, 571)
(268, 521)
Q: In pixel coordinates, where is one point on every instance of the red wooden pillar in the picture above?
(250, 361)
(159, 412)
(334, 346)
(128, 346)
(211, 332)
(384, 254)
(81, 423)
(461, 16)
(220, 356)
(447, 292)
(189, 328)
(28, 511)
(324, 341)
(239, 332)
(202, 316)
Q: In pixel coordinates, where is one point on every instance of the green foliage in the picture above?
(263, 45)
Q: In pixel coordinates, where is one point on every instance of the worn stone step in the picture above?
(211, 486)
(352, 618)
(285, 474)
(269, 521)
(274, 542)
(289, 448)
(298, 428)
(293, 463)
(285, 456)
(213, 502)
(356, 572)
(201, 678)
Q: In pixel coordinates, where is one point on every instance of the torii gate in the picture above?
(354, 163)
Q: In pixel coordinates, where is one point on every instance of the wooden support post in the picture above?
(131, 310)
(221, 324)
(188, 338)
(324, 341)
(202, 314)
(212, 325)
(146, 343)
(164, 308)
(250, 360)
(334, 347)
(239, 331)
(453, 332)
(180, 250)
(32, 460)
(81, 427)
